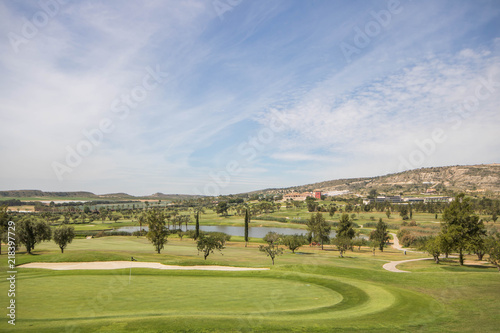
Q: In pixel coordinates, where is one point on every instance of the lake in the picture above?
(255, 232)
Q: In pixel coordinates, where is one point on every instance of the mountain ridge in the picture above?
(479, 178)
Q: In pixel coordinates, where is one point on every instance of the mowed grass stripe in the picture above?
(60, 297)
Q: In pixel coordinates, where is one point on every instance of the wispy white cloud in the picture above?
(224, 76)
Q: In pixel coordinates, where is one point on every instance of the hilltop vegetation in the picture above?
(484, 179)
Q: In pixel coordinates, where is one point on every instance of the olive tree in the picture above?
(31, 232)
(209, 242)
(157, 233)
(63, 236)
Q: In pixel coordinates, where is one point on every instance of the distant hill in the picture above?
(41, 194)
(91, 196)
(162, 196)
(483, 178)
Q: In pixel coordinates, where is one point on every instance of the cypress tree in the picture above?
(197, 230)
(247, 221)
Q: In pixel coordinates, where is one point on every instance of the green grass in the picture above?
(312, 290)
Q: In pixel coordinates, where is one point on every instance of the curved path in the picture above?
(129, 264)
(391, 266)
(398, 246)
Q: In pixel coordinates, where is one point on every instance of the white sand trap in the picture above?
(129, 264)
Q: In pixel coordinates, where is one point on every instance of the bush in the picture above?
(139, 233)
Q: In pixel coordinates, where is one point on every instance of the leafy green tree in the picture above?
(272, 249)
(247, 222)
(271, 237)
(343, 244)
(63, 236)
(461, 224)
(478, 246)
(222, 208)
(319, 228)
(116, 216)
(493, 249)
(157, 233)
(332, 209)
(293, 242)
(388, 212)
(494, 217)
(31, 232)
(345, 234)
(4, 220)
(404, 212)
(209, 242)
(433, 246)
(380, 235)
(311, 203)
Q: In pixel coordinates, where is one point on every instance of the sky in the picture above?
(228, 96)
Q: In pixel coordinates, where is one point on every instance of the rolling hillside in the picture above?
(484, 178)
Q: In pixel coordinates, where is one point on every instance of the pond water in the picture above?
(256, 232)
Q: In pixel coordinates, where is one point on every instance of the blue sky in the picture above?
(228, 96)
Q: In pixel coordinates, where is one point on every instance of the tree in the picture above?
(157, 233)
(478, 246)
(380, 235)
(493, 249)
(4, 220)
(222, 208)
(372, 194)
(388, 212)
(319, 228)
(247, 221)
(311, 203)
(272, 250)
(345, 234)
(63, 236)
(293, 242)
(404, 212)
(461, 224)
(433, 246)
(32, 232)
(271, 237)
(207, 243)
(197, 226)
(332, 209)
(343, 244)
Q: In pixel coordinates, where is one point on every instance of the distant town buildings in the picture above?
(398, 199)
(335, 193)
(297, 196)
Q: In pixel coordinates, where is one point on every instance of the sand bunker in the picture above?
(129, 264)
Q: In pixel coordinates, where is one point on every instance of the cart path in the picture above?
(391, 266)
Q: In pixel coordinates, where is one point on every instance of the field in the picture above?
(311, 290)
